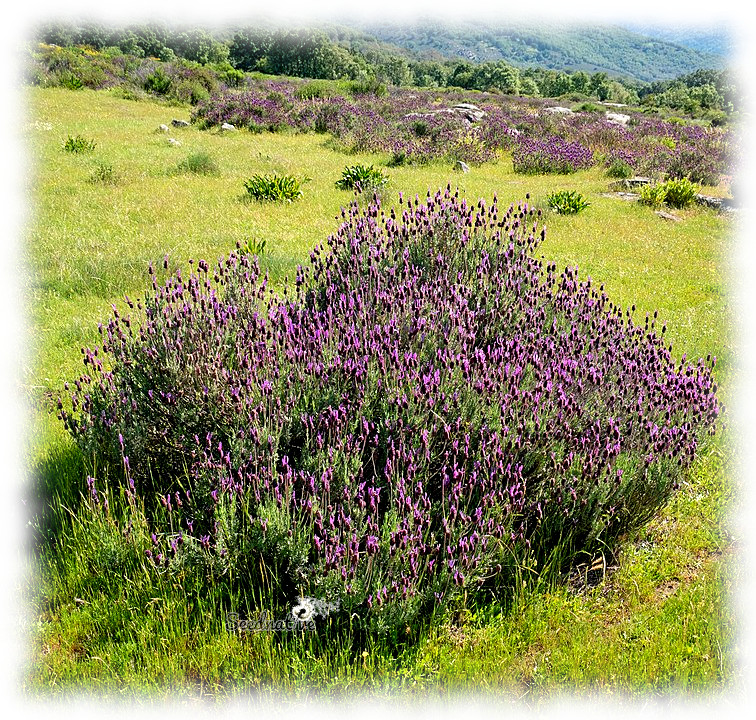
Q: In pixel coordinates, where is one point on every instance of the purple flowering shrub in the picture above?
(417, 126)
(427, 409)
(553, 155)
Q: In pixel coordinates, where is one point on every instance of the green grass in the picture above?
(105, 623)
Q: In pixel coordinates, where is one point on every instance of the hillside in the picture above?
(599, 48)
(714, 41)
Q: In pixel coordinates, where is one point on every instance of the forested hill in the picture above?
(713, 41)
(592, 48)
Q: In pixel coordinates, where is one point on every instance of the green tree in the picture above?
(248, 47)
(194, 44)
(429, 73)
(528, 86)
(600, 85)
(581, 82)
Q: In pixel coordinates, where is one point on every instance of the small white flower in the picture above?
(303, 610)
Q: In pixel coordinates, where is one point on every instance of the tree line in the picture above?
(314, 53)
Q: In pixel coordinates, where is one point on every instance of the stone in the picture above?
(708, 201)
(174, 142)
(470, 112)
(463, 166)
(163, 128)
(630, 183)
(431, 113)
(558, 110)
(667, 216)
(715, 203)
(630, 197)
(728, 204)
(228, 126)
(179, 123)
(617, 118)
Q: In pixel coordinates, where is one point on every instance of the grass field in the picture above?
(660, 623)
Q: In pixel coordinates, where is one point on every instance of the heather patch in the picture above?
(417, 127)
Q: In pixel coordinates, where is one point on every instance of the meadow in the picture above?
(659, 620)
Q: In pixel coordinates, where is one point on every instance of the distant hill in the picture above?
(713, 41)
(592, 48)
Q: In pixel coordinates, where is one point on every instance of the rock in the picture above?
(470, 112)
(174, 142)
(163, 128)
(622, 195)
(617, 118)
(728, 204)
(715, 203)
(707, 201)
(667, 216)
(630, 183)
(228, 126)
(558, 110)
(463, 166)
(179, 123)
(428, 114)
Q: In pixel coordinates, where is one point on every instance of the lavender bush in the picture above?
(427, 409)
(553, 155)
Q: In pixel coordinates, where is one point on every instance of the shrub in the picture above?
(429, 409)
(420, 128)
(371, 86)
(279, 188)
(105, 174)
(553, 155)
(680, 192)
(567, 202)
(717, 118)
(653, 194)
(677, 193)
(252, 246)
(78, 144)
(697, 164)
(329, 118)
(229, 75)
(69, 80)
(619, 168)
(315, 89)
(191, 91)
(361, 177)
(399, 157)
(199, 163)
(158, 82)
